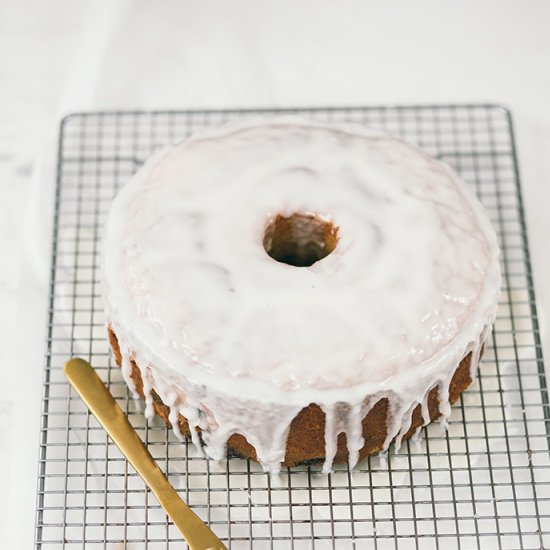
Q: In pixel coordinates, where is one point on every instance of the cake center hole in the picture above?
(300, 239)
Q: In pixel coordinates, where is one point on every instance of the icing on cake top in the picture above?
(409, 288)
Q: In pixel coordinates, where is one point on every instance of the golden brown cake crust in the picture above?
(306, 437)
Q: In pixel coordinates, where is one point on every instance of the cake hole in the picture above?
(300, 239)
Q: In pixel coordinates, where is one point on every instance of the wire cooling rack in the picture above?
(482, 483)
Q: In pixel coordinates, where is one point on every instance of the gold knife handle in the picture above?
(104, 407)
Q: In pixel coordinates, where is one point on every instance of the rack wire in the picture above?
(484, 482)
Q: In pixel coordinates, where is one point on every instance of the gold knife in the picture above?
(100, 401)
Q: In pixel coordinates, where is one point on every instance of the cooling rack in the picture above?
(484, 482)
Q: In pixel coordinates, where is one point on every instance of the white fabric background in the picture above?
(62, 56)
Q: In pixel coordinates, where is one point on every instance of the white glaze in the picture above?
(238, 342)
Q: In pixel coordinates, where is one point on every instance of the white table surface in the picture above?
(61, 56)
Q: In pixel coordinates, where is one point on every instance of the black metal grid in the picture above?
(484, 482)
